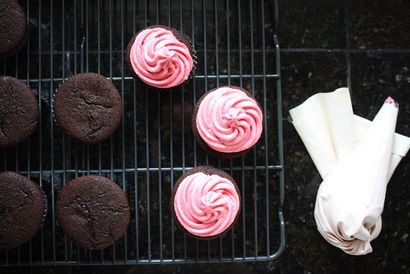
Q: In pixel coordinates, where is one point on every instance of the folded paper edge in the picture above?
(294, 112)
(401, 143)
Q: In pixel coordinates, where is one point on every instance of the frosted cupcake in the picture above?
(160, 56)
(227, 122)
(205, 202)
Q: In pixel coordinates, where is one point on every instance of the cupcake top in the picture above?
(93, 211)
(13, 27)
(159, 58)
(87, 106)
(206, 205)
(22, 209)
(229, 120)
(18, 112)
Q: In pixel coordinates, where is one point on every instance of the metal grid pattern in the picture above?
(236, 44)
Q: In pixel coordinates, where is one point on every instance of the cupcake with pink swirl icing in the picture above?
(205, 202)
(227, 122)
(160, 56)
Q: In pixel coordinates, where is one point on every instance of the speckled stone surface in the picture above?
(379, 24)
(373, 79)
(312, 24)
(372, 74)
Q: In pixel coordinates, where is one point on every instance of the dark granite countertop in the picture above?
(327, 44)
(362, 45)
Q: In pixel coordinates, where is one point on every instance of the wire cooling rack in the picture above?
(236, 44)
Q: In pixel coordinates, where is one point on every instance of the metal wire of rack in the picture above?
(236, 43)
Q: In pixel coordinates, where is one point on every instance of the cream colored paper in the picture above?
(355, 158)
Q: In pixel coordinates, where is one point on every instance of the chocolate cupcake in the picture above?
(160, 56)
(22, 209)
(93, 211)
(205, 202)
(87, 107)
(13, 27)
(18, 112)
(227, 122)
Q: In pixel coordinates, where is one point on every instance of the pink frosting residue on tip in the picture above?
(389, 100)
(206, 205)
(160, 59)
(228, 120)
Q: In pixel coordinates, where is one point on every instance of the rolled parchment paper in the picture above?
(328, 128)
(356, 159)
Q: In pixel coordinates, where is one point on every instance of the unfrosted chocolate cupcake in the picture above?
(227, 122)
(93, 211)
(88, 108)
(22, 209)
(13, 27)
(205, 202)
(160, 56)
(18, 112)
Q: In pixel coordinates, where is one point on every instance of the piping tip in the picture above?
(390, 100)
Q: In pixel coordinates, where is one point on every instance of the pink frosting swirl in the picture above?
(206, 205)
(228, 120)
(160, 59)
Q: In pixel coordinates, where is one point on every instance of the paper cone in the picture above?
(315, 121)
(401, 143)
(331, 132)
(328, 128)
(350, 200)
